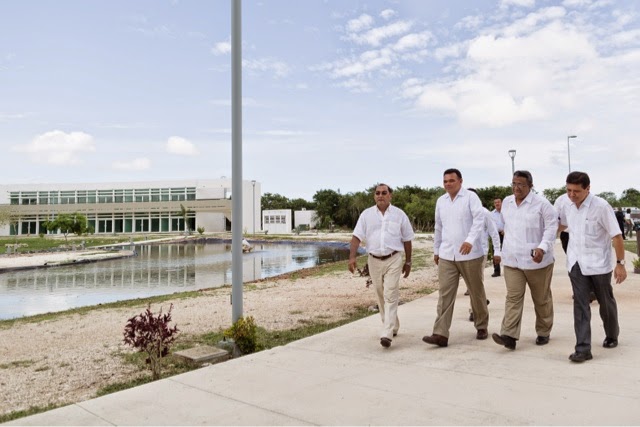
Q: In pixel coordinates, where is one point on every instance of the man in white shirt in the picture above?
(593, 226)
(560, 204)
(386, 231)
(530, 227)
(460, 220)
(496, 216)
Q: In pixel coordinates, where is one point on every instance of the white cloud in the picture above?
(58, 148)
(519, 3)
(375, 36)
(279, 68)
(181, 146)
(221, 48)
(412, 41)
(362, 22)
(388, 14)
(138, 164)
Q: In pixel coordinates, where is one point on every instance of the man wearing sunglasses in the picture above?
(530, 227)
(460, 220)
(386, 231)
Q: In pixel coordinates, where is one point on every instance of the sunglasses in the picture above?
(383, 193)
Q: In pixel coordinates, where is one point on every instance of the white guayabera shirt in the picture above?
(386, 233)
(458, 221)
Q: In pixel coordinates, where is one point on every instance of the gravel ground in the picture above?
(67, 359)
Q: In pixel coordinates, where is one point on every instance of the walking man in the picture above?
(593, 226)
(460, 220)
(386, 231)
(496, 216)
(530, 227)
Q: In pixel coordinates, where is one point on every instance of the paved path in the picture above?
(344, 376)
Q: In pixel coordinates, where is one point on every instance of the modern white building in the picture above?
(277, 221)
(130, 207)
(305, 219)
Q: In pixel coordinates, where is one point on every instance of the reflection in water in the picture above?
(157, 270)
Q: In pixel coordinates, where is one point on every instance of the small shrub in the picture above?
(636, 263)
(245, 334)
(151, 335)
(200, 230)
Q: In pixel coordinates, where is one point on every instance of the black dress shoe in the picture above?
(542, 340)
(385, 342)
(435, 339)
(482, 334)
(504, 340)
(495, 275)
(610, 343)
(471, 317)
(395, 334)
(580, 356)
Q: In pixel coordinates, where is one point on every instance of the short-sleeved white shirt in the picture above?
(386, 233)
(458, 221)
(592, 227)
(561, 204)
(531, 225)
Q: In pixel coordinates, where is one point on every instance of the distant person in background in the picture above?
(460, 220)
(530, 227)
(629, 222)
(593, 227)
(560, 204)
(490, 232)
(386, 231)
(496, 216)
(621, 222)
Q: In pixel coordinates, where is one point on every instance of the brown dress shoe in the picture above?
(482, 334)
(435, 339)
(385, 342)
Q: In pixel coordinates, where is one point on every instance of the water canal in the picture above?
(157, 270)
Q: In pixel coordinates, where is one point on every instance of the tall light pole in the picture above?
(512, 154)
(253, 182)
(569, 150)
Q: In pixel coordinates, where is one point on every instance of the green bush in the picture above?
(245, 334)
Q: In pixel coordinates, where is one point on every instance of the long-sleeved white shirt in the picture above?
(458, 221)
(497, 219)
(531, 225)
(490, 231)
(386, 233)
(592, 228)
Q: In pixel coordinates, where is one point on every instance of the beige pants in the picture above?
(449, 273)
(539, 281)
(385, 275)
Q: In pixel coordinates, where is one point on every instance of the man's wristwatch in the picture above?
(620, 261)
(407, 263)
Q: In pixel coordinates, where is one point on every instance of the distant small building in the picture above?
(277, 221)
(305, 220)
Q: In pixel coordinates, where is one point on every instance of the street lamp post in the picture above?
(569, 150)
(253, 183)
(512, 154)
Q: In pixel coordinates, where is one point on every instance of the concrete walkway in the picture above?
(344, 376)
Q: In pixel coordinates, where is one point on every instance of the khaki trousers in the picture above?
(539, 281)
(385, 275)
(449, 273)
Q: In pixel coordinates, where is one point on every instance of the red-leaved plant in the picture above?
(152, 335)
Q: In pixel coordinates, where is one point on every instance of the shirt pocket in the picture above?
(533, 228)
(591, 234)
(393, 229)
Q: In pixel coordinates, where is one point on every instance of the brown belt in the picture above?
(382, 258)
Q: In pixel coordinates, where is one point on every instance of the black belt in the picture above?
(382, 258)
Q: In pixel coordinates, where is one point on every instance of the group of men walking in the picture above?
(524, 227)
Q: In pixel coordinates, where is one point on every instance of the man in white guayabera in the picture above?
(386, 231)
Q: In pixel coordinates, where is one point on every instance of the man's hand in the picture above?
(465, 249)
(538, 254)
(436, 259)
(497, 260)
(619, 273)
(352, 265)
(406, 269)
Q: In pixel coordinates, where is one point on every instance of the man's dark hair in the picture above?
(386, 185)
(526, 175)
(579, 178)
(453, 170)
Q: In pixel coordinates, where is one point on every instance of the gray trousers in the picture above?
(600, 285)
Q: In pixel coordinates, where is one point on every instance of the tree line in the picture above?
(336, 210)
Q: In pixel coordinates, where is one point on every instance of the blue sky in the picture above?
(337, 94)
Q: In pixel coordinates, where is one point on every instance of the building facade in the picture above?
(130, 207)
(277, 221)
